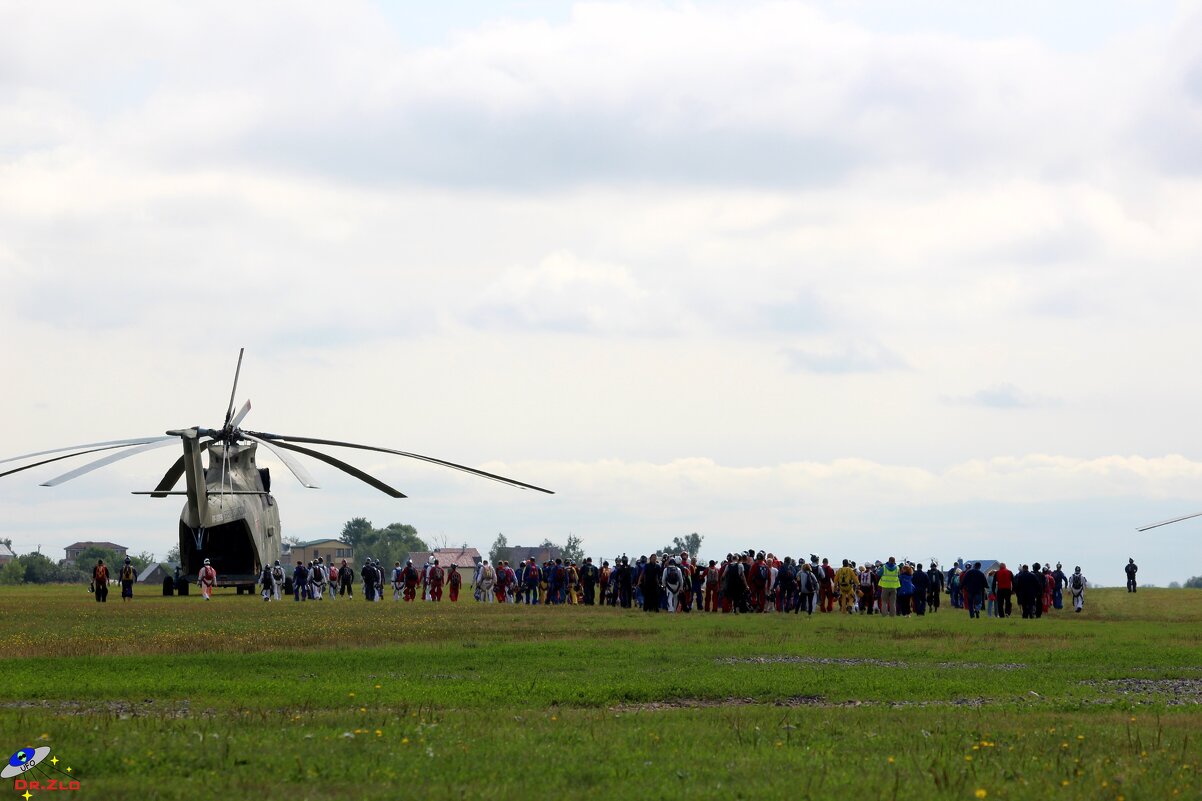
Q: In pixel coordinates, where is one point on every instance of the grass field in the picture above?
(330, 700)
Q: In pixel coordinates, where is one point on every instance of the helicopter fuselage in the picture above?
(230, 517)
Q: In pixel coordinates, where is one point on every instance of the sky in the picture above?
(859, 278)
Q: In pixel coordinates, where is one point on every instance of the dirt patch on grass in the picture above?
(708, 703)
(118, 709)
(982, 665)
(857, 661)
(1173, 692)
(805, 660)
(792, 701)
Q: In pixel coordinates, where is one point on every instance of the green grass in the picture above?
(331, 700)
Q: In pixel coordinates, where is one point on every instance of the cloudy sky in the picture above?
(860, 278)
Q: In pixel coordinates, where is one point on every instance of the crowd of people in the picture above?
(318, 580)
(742, 583)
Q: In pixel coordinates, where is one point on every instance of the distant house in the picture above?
(6, 554)
(155, 572)
(331, 550)
(75, 549)
(986, 564)
(520, 553)
(465, 559)
(462, 558)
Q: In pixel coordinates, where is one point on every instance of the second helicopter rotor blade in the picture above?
(1166, 522)
(298, 469)
(144, 440)
(230, 411)
(170, 479)
(112, 457)
(344, 467)
(94, 446)
(314, 441)
(245, 410)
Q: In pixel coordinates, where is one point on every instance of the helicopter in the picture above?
(230, 517)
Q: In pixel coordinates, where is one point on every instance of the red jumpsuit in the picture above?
(411, 580)
(711, 589)
(207, 578)
(826, 588)
(435, 579)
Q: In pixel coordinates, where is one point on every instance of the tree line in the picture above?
(37, 568)
(573, 549)
(390, 544)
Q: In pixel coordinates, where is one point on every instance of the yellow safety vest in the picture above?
(890, 579)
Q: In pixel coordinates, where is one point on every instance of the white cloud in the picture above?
(567, 295)
(1004, 396)
(857, 358)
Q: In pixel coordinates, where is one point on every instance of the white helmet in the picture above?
(206, 561)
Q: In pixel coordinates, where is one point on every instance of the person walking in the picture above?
(265, 580)
(905, 592)
(368, 574)
(410, 580)
(100, 582)
(807, 589)
(921, 587)
(398, 581)
(786, 586)
(1026, 588)
(531, 575)
(935, 583)
(317, 579)
(589, 576)
(650, 584)
(1131, 569)
(207, 579)
(333, 576)
(672, 583)
(454, 582)
(974, 583)
(1060, 582)
(890, 582)
(625, 583)
(300, 581)
(846, 580)
(435, 580)
(379, 585)
(826, 586)
(1003, 580)
(128, 577)
(346, 580)
(277, 579)
(488, 582)
(867, 590)
(1077, 585)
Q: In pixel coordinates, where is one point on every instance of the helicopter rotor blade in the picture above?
(170, 479)
(112, 457)
(230, 411)
(95, 446)
(109, 447)
(298, 469)
(245, 410)
(344, 467)
(314, 441)
(1166, 522)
